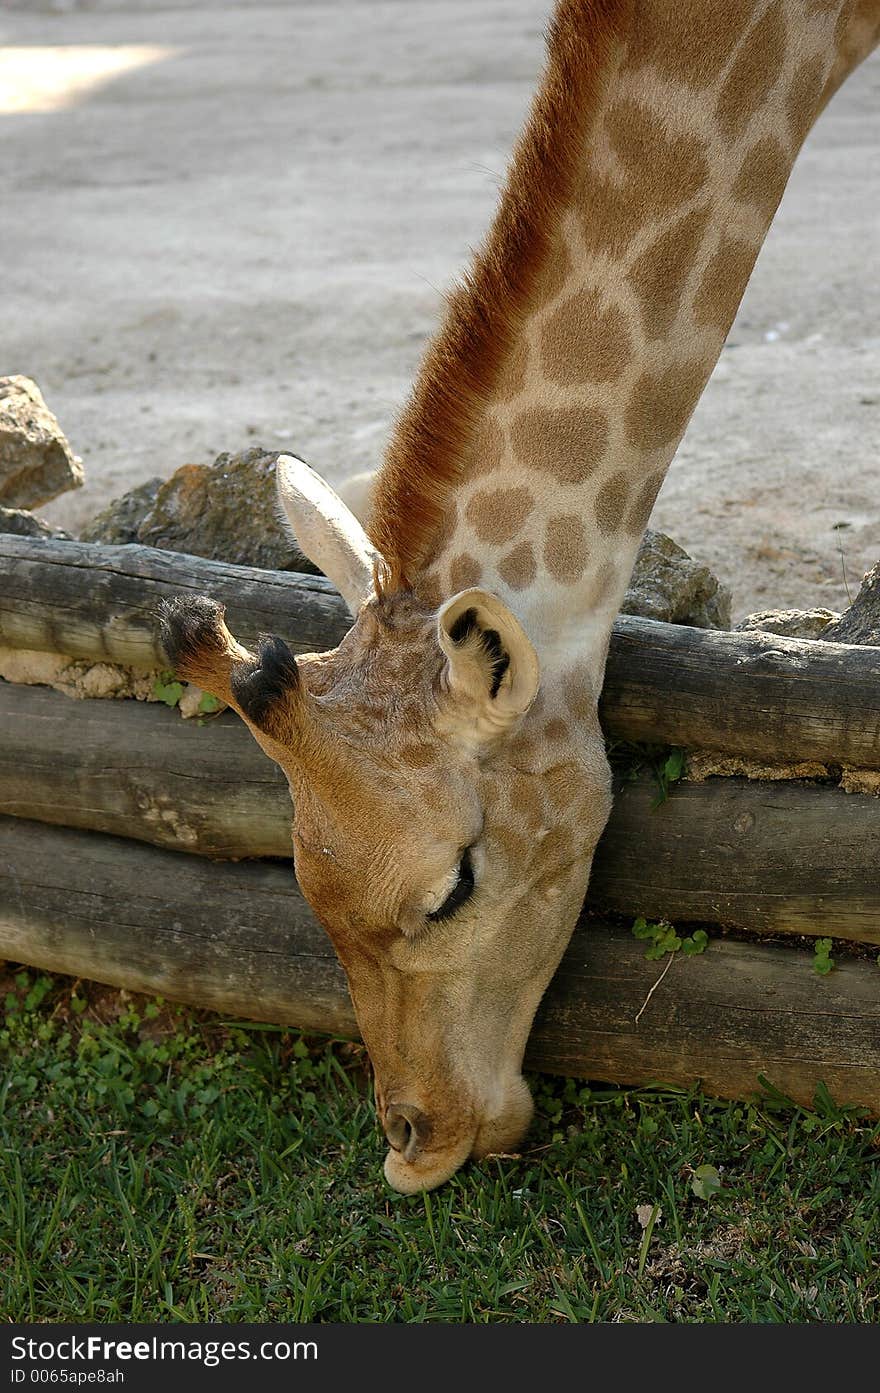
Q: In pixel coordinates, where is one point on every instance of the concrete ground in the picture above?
(229, 223)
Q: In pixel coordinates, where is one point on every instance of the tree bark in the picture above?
(136, 769)
(780, 857)
(769, 698)
(100, 602)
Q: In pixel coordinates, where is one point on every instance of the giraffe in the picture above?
(445, 761)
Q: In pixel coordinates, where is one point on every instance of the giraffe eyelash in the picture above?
(460, 893)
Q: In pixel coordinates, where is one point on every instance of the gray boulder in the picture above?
(36, 461)
(225, 511)
(118, 523)
(667, 584)
(20, 523)
(790, 623)
(861, 622)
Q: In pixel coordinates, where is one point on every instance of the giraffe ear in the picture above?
(491, 665)
(326, 531)
(356, 492)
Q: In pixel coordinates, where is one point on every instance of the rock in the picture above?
(861, 622)
(23, 524)
(791, 623)
(118, 523)
(76, 677)
(226, 512)
(36, 462)
(667, 584)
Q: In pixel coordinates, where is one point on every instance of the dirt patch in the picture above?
(244, 238)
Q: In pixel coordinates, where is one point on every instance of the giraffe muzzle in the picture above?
(408, 1129)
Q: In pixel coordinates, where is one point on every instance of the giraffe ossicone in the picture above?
(445, 761)
(326, 530)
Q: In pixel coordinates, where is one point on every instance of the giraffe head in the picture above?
(441, 836)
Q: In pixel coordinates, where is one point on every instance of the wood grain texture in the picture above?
(769, 857)
(136, 769)
(771, 698)
(781, 857)
(239, 939)
(100, 602)
(236, 938)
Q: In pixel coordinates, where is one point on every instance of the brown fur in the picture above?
(464, 360)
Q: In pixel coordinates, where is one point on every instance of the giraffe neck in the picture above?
(677, 168)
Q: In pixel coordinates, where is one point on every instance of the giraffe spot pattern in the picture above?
(428, 591)
(723, 282)
(568, 442)
(584, 341)
(762, 176)
(662, 402)
(465, 571)
(555, 729)
(803, 97)
(558, 846)
(497, 515)
(558, 785)
(754, 72)
(448, 527)
(565, 548)
(611, 503)
(643, 506)
(554, 274)
(518, 850)
(521, 752)
(487, 449)
(669, 169)
(659, 274)
(577, 688)
(689, 43)
(661, 172)
(530, 798)
(517, 568)
(856, 34)
(512, 377)
(608, 212)
(602, 585)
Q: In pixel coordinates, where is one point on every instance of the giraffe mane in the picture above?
(485, 309)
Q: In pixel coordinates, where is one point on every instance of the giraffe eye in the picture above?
(460, 892)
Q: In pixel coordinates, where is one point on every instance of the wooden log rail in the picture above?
(236, 936)
(239, 939)
(773, 699)
(100, 602)
(773, 858)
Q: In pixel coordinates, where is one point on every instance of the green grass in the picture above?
(158, 1164)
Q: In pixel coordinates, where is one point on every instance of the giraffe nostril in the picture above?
(407, 1129)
